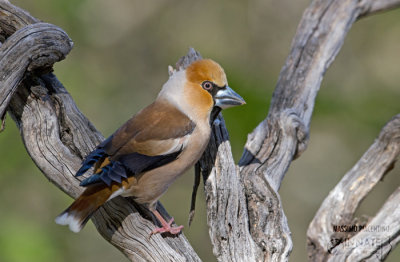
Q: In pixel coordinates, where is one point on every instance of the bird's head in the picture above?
(209, 80)
(201, 87)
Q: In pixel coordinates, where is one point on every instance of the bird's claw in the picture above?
(167, 228)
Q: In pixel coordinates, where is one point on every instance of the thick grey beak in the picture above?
(226, 97)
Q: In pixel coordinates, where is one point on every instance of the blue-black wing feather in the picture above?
(96, 155)
(126, 166)
(90, 160)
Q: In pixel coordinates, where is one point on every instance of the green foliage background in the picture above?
(118, 64)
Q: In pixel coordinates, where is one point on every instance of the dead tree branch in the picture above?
(332, 235)
(283, 135)
(57, 135)
(245, 214)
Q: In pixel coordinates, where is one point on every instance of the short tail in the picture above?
(77, 215)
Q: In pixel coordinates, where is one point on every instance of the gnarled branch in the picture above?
(57, 135)
(334, 234)
(245, 214)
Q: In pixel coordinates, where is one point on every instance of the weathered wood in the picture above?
(377, 239)
(226, 203)
(283, 135)
(27, 50)
(380, 6)
(57, 136)
(13, 18)
(245, 215)
(326, 239)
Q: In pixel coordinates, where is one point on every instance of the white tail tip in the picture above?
(69, 219)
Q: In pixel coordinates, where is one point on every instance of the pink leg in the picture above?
(166, 226)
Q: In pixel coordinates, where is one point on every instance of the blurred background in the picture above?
(117, 66)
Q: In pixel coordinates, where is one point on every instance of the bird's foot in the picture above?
(167, 228)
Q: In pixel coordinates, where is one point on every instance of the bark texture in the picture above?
(57, 135)
(335, 234)
(245, 215)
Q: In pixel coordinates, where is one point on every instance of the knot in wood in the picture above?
(293, 125)
(39, 91)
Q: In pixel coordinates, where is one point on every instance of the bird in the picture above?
(155, 146)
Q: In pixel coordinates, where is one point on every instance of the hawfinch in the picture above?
(157, 145)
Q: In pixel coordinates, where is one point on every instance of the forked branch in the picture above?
(245, 215)
(335, 234)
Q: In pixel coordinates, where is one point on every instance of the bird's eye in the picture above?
(207, 85)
